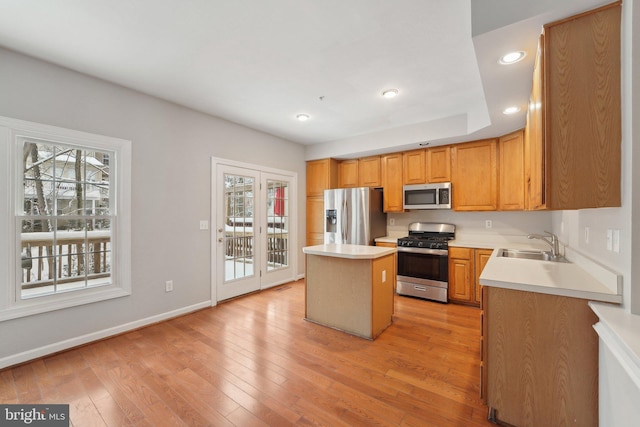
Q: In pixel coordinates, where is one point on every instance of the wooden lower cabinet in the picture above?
(540, 359)
(465, 267)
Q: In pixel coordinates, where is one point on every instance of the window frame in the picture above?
(12, 133)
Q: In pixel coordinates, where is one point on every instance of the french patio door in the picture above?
(253, 229)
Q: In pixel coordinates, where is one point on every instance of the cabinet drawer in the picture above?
(460, 253)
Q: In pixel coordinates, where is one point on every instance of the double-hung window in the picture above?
(68, 218)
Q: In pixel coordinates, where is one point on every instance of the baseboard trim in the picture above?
(36, 353)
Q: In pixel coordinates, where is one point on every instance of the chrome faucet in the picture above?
(555, 251)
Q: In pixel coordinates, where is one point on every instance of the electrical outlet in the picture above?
(168, 286)
(204, 225)
(488, 224)
(392, 221)
(616, 241)
(609, 239)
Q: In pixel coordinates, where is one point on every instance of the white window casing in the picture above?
(13, 134)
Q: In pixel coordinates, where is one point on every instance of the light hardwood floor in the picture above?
(254, 361)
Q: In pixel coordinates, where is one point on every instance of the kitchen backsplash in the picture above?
(474, 223)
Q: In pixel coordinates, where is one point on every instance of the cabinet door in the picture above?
(481, 258)
(369, 172)
(348, 173)
(439, 164)
(474, 173)
(461, 275)
(534, 154)
(413, 167)
(583, 130)
(542, 359)
(321, 175)
(315, 221)
(392, 182)
(511, 149)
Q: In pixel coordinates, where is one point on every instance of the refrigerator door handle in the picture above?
(343, 228)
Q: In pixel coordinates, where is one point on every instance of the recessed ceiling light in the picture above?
(511, 110)
(390, 93)
(512, 57)
(302, 117)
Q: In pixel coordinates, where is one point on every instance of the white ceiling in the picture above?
(259, 63)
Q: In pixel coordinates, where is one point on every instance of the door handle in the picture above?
(220, 230)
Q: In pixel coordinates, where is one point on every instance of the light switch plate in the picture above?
(204, 224)
(616, 241)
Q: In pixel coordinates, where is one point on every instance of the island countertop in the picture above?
(349, 251)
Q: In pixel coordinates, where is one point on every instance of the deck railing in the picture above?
(242, 247)
(75, 257)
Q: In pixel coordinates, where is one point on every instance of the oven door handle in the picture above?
(423, 251)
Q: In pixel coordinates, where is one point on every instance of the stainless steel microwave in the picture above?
(427, 196)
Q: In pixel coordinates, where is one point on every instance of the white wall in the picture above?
(172, 150)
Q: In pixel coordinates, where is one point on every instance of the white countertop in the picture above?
(387, 239)
(555, 278)
(619, 329)
(349, 251)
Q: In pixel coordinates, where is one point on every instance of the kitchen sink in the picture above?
(530, 254)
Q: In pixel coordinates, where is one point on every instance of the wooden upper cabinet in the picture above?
(348, 173)
(474, 175)
(321, 175)
(534, 154)
(369, 172)
(414, 167)
(512, 186)
(579, 148)
(439, 164)
(392, 182)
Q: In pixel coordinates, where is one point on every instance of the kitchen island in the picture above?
(350, 287)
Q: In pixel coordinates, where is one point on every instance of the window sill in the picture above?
(60, 301)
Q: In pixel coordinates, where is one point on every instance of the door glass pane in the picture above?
(277, 224)
(239, 221)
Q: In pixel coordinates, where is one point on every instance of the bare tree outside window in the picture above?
(66, 223)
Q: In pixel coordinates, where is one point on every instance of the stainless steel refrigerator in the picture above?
(354, 216)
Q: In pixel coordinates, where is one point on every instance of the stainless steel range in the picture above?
(423, 261)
